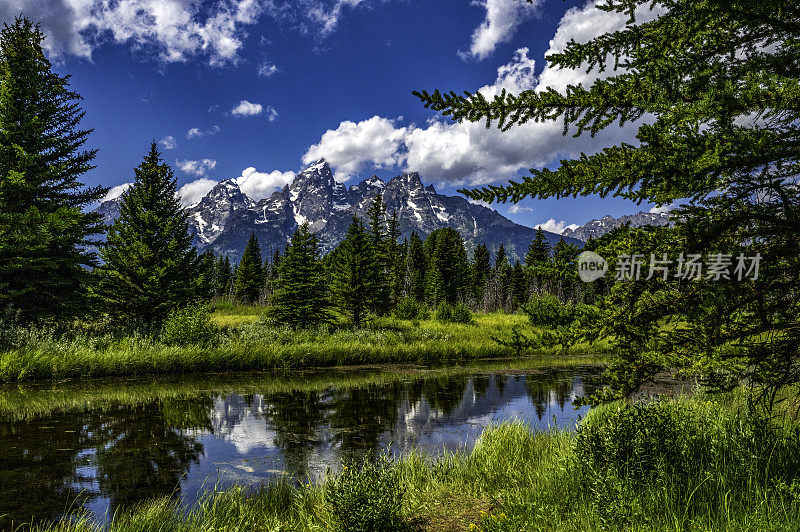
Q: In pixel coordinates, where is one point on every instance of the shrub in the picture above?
(407, 309)
(189, 325)
(367, 498)
(444, 312)
(639, 441)
(461, 314)
(546, 309)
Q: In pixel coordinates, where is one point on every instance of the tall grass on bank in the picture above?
(686, 464)
(42, 354)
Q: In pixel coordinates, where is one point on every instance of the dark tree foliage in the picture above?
(500, 259)
(223, 277)
(481, 269)
(353, 273)
(149, 265)
(206, 276)
(300, 298)
(446, 278)
(44, 231)
(416, 266)
(381, 281)
(714, 87)
(538, 250)
(249, 273)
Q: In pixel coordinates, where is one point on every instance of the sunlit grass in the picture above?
(247, 343)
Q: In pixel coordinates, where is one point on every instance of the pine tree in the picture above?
(44, 231)
(500, 259)
(519, 285)
(416, 267)
(206, 276)
(223, 277)
(300, 298)
(381, 301)
(502, 279)
(249, 273)
(446, 278)
(395, 253)
(538, 250)
(716, 86)
(353, 273)
(481, 270)
(149, 265)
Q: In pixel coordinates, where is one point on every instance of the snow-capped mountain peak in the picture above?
(225, 218)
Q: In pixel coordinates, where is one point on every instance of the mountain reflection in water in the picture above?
(106, 458)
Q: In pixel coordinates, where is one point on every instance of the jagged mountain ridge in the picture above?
(224, 219)
(597, 228)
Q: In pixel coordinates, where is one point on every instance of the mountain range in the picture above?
(597, 228)
(224, 219)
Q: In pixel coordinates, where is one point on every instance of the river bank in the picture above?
(241, 342)
(703, 463)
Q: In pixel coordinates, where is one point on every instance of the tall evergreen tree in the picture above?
(223, 277)
(395, 253)
(446, 278)
(481, 270)
(538, 250)
(206, 276)
(500, 259)
(249, 273)
(149, 265)
(381, 282)
(300, 298)
(44, 231)
(416, 267)
(353, 274)
(718, 83)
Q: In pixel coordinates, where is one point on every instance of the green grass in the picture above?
(245, 343)
(725, 470)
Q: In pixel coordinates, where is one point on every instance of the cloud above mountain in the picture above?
(502, 19)
(466, 153)
(557, 227)
(258, 185)
(192, 192)
(198, 167)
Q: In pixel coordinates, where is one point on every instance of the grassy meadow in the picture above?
(241, 339)
(688, 463)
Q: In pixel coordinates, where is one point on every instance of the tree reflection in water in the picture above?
(125, 453)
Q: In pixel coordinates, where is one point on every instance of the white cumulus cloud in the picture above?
(352, 146)
(556, 227)
(115, 192)
(198, 167)
(192, 192)
(660, 210)
(267, 69)
(247, 108)
(518, 209)
(168, 142)
(259, 185)
(174, 30)
(197, 132)
(503, 17)
(465, 153)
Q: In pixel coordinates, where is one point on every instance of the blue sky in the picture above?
(254, 89)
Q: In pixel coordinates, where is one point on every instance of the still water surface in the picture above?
(106, 447)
